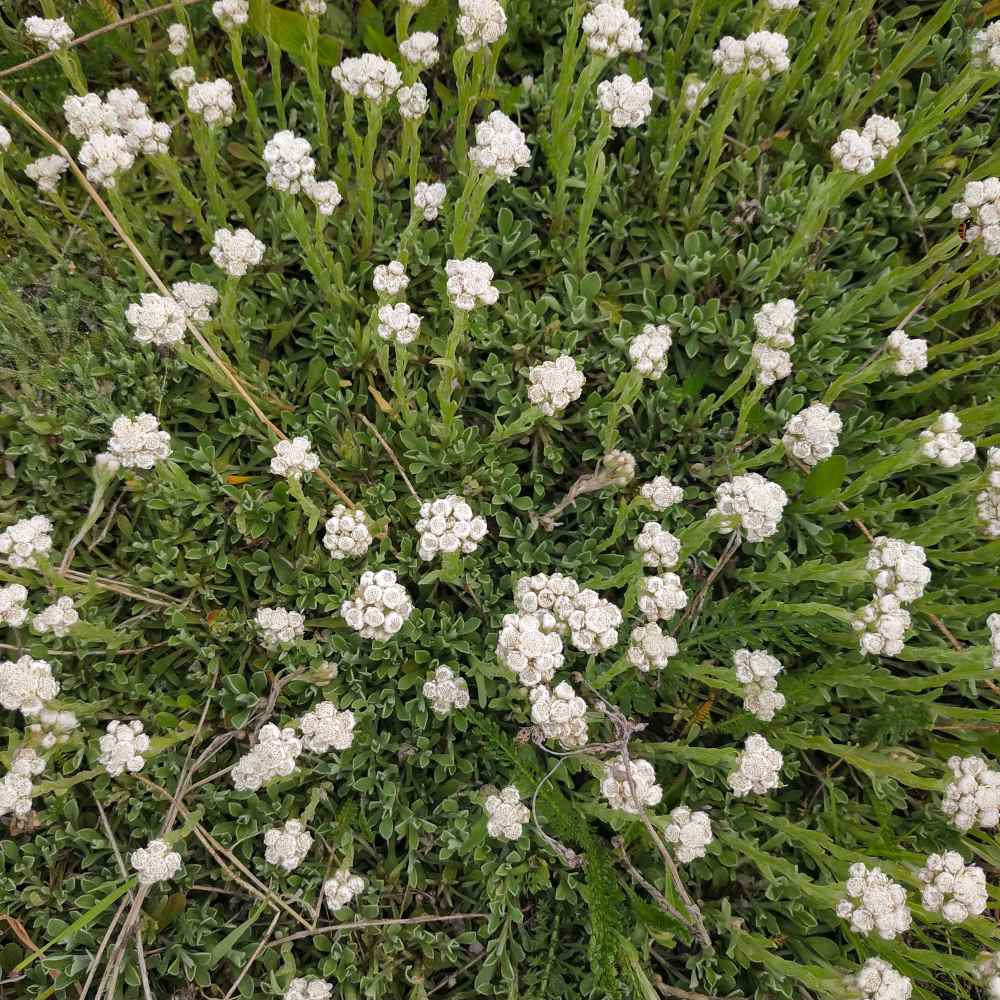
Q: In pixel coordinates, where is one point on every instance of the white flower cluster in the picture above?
(380, 606)
(617, 468)
(231, 14)
(874, 903)
(274, 756)
(325, 195)
(420, 49)
(506, 814)
(5, 139)
(122, 748)
(762, 54)
(988, 501)
(104, 156)
(446, 691)
(593, 623)
(858, 152)
(53, 727)
(236, 251)
(692, 90)
(782, 4)
(290, 166)
(878, 980)
(390, 279)
(155, 862)
(610, 30)
(156, 319)
(368, 76)
(758, 671)
(279, 627)
(758, 768)
(649, 350)
(661, 493)
(138, 443)
(973, 798)
(908, 354)
(342, 888)
(26, 684)
(630, 787)
(813, 434)
(327, 728)
(294, 458)
(46, 171)
(54, 33)
(398, 324)
(752, 503)
(183, 77)
(988, 970)
(658, 547)
(301, 988)
(955, 890)
(212, 101)
(690, 832)
(661, 597)
(428, 199)
(17, 788)
(177, 39)
(649, 649)
(448, 525)
(986, 47)
(24, 540)
(470, 284)
(881, 625)
(195, 299)
(942, 443)
(12, 610)
(413, 101)
(775, 326)
(347, 533)
(500, 147)
(981, 203)
(627, 102)
(550, 596)
(527, 650)
(898, 568)
(480, 23)
(287, 846)
(555, 384)
(561, 714)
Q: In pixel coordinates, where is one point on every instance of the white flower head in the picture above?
(758, 768)
(138, 443)
(212, 101)
(236, 251)
(379, 607)
(13, 613)
(57, 619)
(981, 204)
(157, 319)
(480, 23)
(420, 49)
(988, 971)
(178, 39)
(649, 350)
(955, 890)
(555, 384)
(340, 890)
(757, 671)
(531, 653)
(630, 787)
(327, 728)
(942, 443)
(398, 323)
(993, 623)
(766, 53)
(313, 8)
(390, 279)
(294, 458)
(412, 100)
(751, 503)
(279, 626)
(610, 30)
(17, 787)
(24, 540)
(5, 139)
(661, 493)
(287, 846)
(549, 597)
(231, 14)
(617, 467)
(106, 155)
(53, 33)
(908, 354)
(973, 798)
(627, 102)
(470, 283)
(692, 91)
(448, 525)
(274, 756)
(325, 195)
(428, 199)
(649, 649)
(446, 691)
(898, 568)
(347, 533)
(155, 862)
(689, 832)
(183, 77)
(122, 748)
(301, 988)
(658, 547)
(873, 902)
(46, 171)
(881, 625)
(561, 714)
(500, 147)
(813, 434)
(878, 980)
(661, 597)
(593, 623)
(853, 152)
(782, 4)
(775, 324)
(986, 47)
(290, 166)
(195, 299)
(53, 727)
(506, 814)
(883, 134)
(729, 55)
(368, 76)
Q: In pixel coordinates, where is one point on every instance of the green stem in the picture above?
(170, 170)
(316, 89)
(236, 50)
(626, 391)
(228, 320)
(721, 120)
(732, 390)
(315, 254)
(449, 371)
(469, 86)
(70, 65)
(208, 155)
(596, 168)
(399, 389)
(366, 175)
(469, 209)
(747, 406)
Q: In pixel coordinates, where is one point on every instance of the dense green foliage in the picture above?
(216, 535)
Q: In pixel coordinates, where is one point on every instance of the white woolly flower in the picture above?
(380, 606)
(287, 846)
(212, 101)
(5, 139)
(398, 323)
(908, 354)
(274, 756)
(729, 55)
(593, 623)
(627, 102)
(326, 728)
(53, 727)
(148, 136)
(290, 166)
(993, 622)
(390, 279)
(549, 597)
(943, 444)
(878, 980)
(231, 14)
(178, 39)
(758, 768)
(898, 568)
(53, 33)
(610, 30)
(26, 684)
(183, 77)
(881, 625)
(955, 890)
(874, 903)
(766, 53)
(301, 988)
(236, 251)
(122, 748)
(752, 503)
(293, 459)
(448, 525)
(412, 101)
(692, 91)
(138, 443)
(104, 156)
(782, 4)
(155, 862)
(528, 651)
(24, 540)
(617, 467)
(500, 146)
(13, 613)
(470, 284)
(658, 547)
(661, 493)
(325, 195)
(555, 384)
(981, 203)
(883, 134)
(988, 510)
(157, 319)
(446, 691)
(973, 798)
(347, 533)
(813, 434)
(279, 627)
(342, 888)
(195, 299)
(46, 171)
(689, 832)
(649, 649)
(57, 618)
(661, 597)
(86, 114)
(775, 326)
(649, 350)
(988, 970)
(507, 814)
(428, 199)
(986, 47)
(420, 49)
(853, 152)
(630, 788)
(368, 76)
(757, 671)
(561, 714)
(313, 8)
(17, 788)
(480, 23)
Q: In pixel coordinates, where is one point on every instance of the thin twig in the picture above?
(101, 949)
(392, 455)
(661, 900)
(355, 925)
(913, 208)
(253, 958)
(720, 564)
